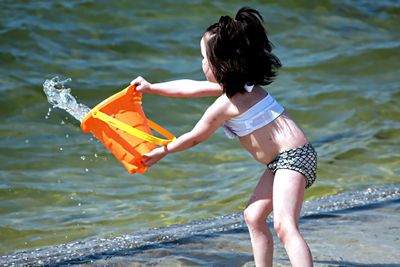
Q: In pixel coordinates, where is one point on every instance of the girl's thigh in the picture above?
(288, 194)
(261, 199)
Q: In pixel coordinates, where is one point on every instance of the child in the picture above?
(237, 60)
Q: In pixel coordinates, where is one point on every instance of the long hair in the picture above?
(239, 51)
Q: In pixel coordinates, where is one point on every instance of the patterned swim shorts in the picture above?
(302, 159)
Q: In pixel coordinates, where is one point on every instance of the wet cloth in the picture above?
(302, 159)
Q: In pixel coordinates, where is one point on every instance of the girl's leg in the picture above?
(288, 195)
(255, 215)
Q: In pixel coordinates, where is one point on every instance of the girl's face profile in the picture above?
(205, 65)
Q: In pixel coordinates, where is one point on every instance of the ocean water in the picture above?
(58, 185)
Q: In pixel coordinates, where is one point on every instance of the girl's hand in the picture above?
(141, 84)
(154, 156)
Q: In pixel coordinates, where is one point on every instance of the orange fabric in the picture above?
(126, 107)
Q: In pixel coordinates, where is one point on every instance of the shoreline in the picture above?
(347, 220)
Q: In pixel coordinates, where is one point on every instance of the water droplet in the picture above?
(95, 155)
(61, 149)
(26, 141)
(48, 114)
(79, 204)
(62, 122)
(67, 136)
(83, 157)
(86, 170)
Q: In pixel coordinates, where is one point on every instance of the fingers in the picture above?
(137, 80)
(149, 161)
(152, 157)
(140, 83)
(146, 161)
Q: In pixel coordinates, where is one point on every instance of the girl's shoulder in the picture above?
(226, 106)
(238, 104)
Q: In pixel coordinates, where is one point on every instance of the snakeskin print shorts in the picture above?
(302, 159)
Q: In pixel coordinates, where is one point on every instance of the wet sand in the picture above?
(368, 236)
(350, 229)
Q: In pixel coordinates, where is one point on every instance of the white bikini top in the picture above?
(259, 115)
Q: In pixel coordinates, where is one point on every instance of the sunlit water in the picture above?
(60, 97)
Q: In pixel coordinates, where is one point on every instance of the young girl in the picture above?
(237, 61)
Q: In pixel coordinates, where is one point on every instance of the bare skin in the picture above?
(282, 193)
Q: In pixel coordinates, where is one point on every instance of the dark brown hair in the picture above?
(239, 51)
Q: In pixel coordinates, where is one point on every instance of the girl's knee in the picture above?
(255, 217)
(285, 228)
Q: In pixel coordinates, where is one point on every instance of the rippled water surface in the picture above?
(57, 184)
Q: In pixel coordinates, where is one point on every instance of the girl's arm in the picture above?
(213, 118)
(179, 88)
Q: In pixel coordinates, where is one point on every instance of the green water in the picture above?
(57, 184)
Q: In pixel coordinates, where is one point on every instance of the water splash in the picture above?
(60, 97)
